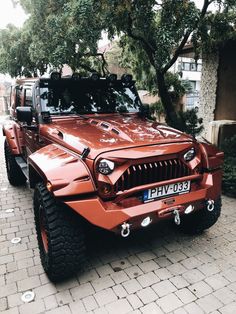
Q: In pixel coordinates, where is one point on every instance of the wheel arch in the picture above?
(14, 137)
(63, 172)
(34, 177)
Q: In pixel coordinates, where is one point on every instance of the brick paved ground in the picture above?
(156, 271)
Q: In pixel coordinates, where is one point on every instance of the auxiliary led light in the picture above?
(49, 186)
(112, 77)
(146, 222)
(126, 78)
(55, 76)
(76, 76)
(189, 209)
(95, 76)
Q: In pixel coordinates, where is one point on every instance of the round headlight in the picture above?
(106, 166)
(190, 154)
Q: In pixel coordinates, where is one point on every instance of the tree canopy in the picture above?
(56, 33)
(152, 34)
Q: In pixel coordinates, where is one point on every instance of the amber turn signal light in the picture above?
(106, 189)
(49, 186)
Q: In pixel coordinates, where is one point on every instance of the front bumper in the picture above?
(111, 215)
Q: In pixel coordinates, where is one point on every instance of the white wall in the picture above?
(208, 90)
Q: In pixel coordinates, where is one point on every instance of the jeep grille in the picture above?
(151, 172)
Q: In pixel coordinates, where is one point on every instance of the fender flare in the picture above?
(212, 158)
(14, 137)
(64, 172)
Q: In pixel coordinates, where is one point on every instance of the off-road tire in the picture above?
(65, 251)
(200, 220)
(14, 172)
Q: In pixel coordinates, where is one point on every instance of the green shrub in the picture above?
(157, 109)
(191, 124)
(229, 146)
(229, 175)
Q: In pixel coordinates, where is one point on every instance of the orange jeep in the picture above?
(91, 154)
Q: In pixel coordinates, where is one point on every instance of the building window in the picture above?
(193, 85)
(186, 66)
(18, 96)
(28, 97)
(199, 67)
(191, 66)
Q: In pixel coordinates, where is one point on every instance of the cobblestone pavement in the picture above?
(154, 271)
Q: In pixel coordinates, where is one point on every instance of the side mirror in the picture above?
(24, 114)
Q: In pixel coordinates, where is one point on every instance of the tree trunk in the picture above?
(172, 117)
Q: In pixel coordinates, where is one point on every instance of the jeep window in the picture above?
(28, 97)
(18, 90)
(86, 97)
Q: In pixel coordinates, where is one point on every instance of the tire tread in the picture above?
(66, 248)
(14, 172)
(200, 220)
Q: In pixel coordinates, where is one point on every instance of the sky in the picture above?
(9, 14)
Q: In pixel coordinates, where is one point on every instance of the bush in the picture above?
(157, 109)
(191, 124)
(229, 175)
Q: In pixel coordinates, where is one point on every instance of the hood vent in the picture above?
(104, 125)
(94, 122)
(60, 134)
(115, 131)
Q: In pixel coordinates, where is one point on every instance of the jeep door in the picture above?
(30, 132)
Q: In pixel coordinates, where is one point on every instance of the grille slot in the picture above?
(151, 172)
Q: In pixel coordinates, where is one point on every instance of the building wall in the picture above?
(208, 89)
(226, 89)
(189, 71)
(147, 97)
(2, 99)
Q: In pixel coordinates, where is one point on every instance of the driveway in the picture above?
(155, 271)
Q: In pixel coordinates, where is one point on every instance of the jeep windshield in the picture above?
(85, 96)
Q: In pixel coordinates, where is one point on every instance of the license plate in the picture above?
(166, 190)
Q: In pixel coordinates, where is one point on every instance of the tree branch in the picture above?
(146, 45)
(204, 8)
(177, 52)
(186, 36)
(98, 54)
(86, 67)
(104, 64)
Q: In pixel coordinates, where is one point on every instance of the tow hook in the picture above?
(125, 230)
(210, 205)
(177, 217)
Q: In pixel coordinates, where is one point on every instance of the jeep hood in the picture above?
(104, 133)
